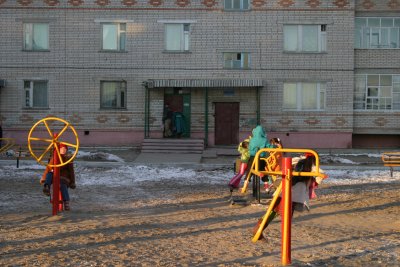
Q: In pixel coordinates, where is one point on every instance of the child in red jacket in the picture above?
(67, 177)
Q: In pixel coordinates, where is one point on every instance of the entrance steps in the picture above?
(169, 145)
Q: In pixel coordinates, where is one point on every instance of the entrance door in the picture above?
(180, 103)
(226, 123)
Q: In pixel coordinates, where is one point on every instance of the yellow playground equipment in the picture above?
(272, 164)
(62, 134)
(6, 144)
(283, 190)
(391, 159)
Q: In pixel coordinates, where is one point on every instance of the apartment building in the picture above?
(316, 73)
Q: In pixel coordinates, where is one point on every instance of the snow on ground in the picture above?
(129, 174)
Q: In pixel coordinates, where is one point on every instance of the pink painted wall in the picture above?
(310, 140)
(135, 138)
(93, 138)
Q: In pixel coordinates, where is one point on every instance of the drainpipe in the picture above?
(258, 106)
(206, 117)
(146, 111)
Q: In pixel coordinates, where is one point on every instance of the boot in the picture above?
(66, 206)
(46, 189)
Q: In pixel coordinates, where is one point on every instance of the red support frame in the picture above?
(57, 198)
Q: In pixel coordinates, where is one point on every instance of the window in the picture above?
(36, 36)
(236, 4)
(36, 94)
(304, 96)
(114, 36)
(377, 33)
(233, 60)
(113, 94)
(177, 37)
(377, 92)
(304, 38)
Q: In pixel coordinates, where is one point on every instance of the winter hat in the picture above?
(63, 145)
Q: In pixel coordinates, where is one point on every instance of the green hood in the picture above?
(258, 140)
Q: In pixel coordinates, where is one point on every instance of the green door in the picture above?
(180, 103)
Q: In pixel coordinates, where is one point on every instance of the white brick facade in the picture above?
(75, 65)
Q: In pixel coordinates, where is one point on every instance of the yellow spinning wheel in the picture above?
(48, 140)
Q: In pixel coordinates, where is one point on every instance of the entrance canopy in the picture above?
(162, 83)
(256, 84)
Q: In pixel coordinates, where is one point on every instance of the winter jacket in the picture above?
(258, 141)
(67, 173)
(244, 152)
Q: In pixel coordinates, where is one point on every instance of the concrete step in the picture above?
(166, 146)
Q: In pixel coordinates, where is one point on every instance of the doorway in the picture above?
(226, 123)
(179, 107)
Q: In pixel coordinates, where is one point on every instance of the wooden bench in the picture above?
(391, 159)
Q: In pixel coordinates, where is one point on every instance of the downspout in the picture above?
(146, 110)
(206, 117)
(258, 106)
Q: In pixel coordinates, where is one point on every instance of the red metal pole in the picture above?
(56, 184)
(286, 210)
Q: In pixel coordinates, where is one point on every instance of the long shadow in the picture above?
(207, 203)
(310, 248)
(70, 247)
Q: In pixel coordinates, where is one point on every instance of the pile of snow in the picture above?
(123, 175)
(98, 156)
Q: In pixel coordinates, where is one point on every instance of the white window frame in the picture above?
(29, 91)
(31, 38)
(184, 37)
(120, 95)
(320, 96)
(364, 100)
(321, 38)
(120, 38)
(366, 32)
(236, 5)
(236, 63)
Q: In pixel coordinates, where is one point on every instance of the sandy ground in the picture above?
(173, 224)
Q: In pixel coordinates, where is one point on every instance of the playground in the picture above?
(124, 214)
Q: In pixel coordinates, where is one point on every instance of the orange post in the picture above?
(57, 199)
(286, 210)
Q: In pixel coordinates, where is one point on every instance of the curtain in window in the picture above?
(394, 38)
(41, 36)
(309, 96)
(28, 30)
(110, 37)
(40, 94)
(108, 95)
(173, 34)
(290, 37)
(310, 38)
(290, 96)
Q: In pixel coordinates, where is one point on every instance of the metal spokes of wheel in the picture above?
(48, 134)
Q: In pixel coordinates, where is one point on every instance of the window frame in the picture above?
(241, 5)
(364, 100)
(363, 28)
(30, 91)
(320, 96)
(119, 104)
(243, 56)
(321, 38)
(120, 36)
(29, 36)
(184, 37)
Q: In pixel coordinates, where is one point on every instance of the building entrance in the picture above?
(226, 123)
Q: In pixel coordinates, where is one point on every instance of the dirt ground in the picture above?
(173, 224)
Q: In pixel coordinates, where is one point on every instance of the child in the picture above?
(273, 164)
(243, 148)
(67, 177)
